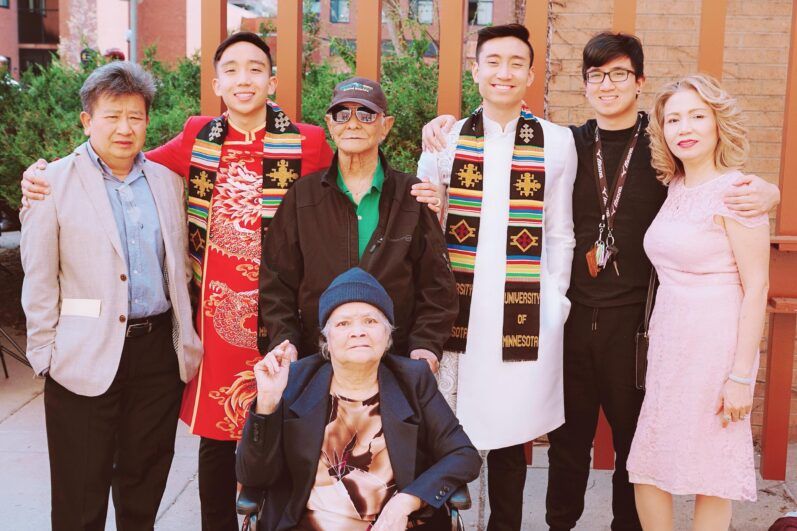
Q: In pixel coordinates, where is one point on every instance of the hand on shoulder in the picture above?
(34, 186)
(750, 196)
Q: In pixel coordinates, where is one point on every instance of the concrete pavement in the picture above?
(25, 486)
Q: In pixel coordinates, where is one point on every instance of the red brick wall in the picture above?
(163, 23)
(9, 42)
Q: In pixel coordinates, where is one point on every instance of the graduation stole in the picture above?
(521, 327)
(282, 165)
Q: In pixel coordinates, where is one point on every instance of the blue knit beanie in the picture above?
(355, 285)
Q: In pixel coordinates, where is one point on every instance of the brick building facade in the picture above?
(9, 37)
(36, 31)
(338, 19)
(31, 30)
(159, 23)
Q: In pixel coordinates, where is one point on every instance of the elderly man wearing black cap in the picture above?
(358, 212)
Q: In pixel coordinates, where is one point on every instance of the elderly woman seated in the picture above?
(351, 437)
(358, 212)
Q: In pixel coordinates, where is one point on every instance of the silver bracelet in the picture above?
(738, 379)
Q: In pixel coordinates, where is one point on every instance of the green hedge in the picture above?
(42, 118)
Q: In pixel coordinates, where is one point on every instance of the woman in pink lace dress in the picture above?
(693, 435)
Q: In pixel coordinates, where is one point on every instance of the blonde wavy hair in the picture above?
(732, 144)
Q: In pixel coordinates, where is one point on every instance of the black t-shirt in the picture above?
(640, 202)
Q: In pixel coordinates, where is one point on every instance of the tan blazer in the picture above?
(75, 292)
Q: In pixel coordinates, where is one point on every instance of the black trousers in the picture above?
(217, 485)
(122, 439)
(506, 478)
(599, 370)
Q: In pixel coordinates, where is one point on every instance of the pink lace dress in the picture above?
(680, 445)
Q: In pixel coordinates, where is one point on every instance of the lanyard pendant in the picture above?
(595, 257)
(602, 255)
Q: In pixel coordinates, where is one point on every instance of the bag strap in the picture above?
(649, 300)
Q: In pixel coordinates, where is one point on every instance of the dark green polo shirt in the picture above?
(368, 209)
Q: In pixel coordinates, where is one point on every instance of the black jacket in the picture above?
(313, 238)
(640, 201)
(429, 452)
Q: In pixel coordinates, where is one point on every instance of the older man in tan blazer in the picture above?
(108, 313)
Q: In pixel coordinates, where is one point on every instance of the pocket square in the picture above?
(81, 307)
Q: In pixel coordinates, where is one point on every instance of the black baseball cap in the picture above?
(360, 90)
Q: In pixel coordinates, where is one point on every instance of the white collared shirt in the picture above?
(505, 403)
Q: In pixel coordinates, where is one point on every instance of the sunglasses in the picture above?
(341, 115)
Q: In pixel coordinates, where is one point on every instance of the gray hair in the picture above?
(119, 78)
(323, 344)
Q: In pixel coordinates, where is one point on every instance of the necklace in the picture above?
(357, 194)
(360, 394)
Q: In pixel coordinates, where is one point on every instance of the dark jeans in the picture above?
(599, 365)
(506, 477)
(217, 485)
(122, 439)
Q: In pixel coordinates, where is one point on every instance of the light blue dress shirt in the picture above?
(139, 229)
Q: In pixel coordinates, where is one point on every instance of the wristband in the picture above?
(738, 379)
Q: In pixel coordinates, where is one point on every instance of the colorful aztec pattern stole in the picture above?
(282, 165)
(521, 328)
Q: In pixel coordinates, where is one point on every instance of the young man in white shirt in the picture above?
(509, 230)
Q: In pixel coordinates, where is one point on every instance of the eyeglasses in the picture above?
(341, 115)
(615, 76)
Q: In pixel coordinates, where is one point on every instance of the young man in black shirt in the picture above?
(610, 277)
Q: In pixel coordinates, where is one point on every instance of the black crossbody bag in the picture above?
(642, 334)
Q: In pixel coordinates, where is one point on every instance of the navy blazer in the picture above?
(429, 452)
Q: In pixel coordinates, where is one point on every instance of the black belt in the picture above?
(144, 325)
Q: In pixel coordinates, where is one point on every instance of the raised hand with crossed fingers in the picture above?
(271, 374)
